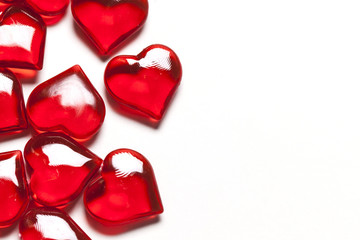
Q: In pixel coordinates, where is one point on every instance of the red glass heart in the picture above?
(49, 223)
(59, 168)
(51, 10)
(14, 196)
(125, 191)
(12, 108)
(67, 103)
(109, 22)
(144, 83)
(22, 38)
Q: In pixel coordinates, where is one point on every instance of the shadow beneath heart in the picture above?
(112, 230)
(11, 136)
(4, 232)
(130, 113)
(136, 115)
(25, 76)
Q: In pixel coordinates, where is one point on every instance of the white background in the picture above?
(262, 138)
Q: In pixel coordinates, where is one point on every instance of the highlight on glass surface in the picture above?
(67, 103)
(12, 108)
(14, 197)
(59, 168)
(144, 84)
(22, 38)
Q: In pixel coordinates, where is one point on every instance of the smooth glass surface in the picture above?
(125, 191)
(146, 82)
(22, 38)
(67, 103)
(109, 23)
(51, 10)
(12, 108)
(14, 195)
(49, 223)
(59, 168)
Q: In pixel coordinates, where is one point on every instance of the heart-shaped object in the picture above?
(126, 190)
(14, 195)
(59, 168)
(22, 38)
(67, 103)
(12, 108)
(144, 83)
(109, 23)
(51, 10)
(49, 223)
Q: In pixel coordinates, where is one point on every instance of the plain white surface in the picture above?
(262, 139)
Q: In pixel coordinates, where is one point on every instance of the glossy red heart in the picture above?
(22, 38)
(144, 83)
(108, 23)
(51, 11)
(14, 195)
(12, 109)
(126, 190)
(59, 168)
(67, 103)
(49, 223)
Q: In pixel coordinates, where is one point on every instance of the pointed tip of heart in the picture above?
(109, 24)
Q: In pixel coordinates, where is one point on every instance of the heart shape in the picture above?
(59, 168)
(146, 82)
(109, 23)
(49, 223)
(22, 38)
(12, 108)
(126, 190)
(14, 196)
(67, 103)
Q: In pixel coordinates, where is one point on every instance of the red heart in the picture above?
(22, 38)
(49, 223)
(14, 196)
(59, 168)
(67, 103)
(125, 191)
(12, 109)
(109, 23)
(146, 82)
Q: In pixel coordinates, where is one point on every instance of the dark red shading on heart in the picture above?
(49, 223)
(51, 11)
(67, 103)
(145, 83)
(59, 168)
(12, 108)
(4, 4)
(22, 38)
(14, 195)
(126, 190)
(108, 23)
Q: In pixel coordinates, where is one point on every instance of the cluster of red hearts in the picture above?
(67, 110)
